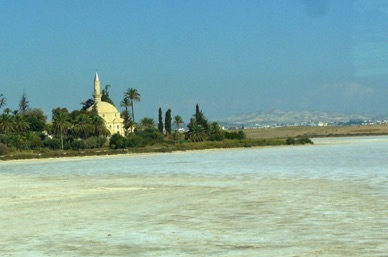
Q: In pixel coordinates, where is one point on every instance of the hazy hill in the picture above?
(296, 117)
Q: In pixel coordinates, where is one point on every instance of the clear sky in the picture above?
(230, 56)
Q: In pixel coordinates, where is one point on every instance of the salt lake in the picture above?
(326, 199)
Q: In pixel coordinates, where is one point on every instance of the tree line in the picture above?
(28, 129)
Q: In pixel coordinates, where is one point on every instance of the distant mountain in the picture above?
(295, 117)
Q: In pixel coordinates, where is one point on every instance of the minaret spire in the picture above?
(97, 89)
(96, 77)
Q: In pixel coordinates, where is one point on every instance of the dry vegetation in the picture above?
(285, 132)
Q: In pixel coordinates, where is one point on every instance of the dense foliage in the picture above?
(27, 130)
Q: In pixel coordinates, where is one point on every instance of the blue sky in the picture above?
(229, 56)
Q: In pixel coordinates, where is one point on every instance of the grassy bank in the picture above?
(162, 148)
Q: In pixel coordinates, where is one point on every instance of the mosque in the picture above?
(110, 114)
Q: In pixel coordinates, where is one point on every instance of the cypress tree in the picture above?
(200, 119)
(160, 124)
(167, 122)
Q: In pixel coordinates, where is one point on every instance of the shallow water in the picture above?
(328, 199)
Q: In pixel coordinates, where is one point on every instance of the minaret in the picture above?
(97, 89)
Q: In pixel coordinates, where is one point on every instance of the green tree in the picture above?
(36, 119)
(177, 120)
(200, 119)
(33, 140)
(87, 104)
(150, 136)
(7, 110)
(58, 110)
(20, 123)
(99, 127)
(167, 122)
(3, 100)
(61, 123)
(160, 123)
(82, 125)
(53, 144)
(24, 103)
(105, 95)
(7, 125)
(133, 95)
(127, 122)
(196, 132)
(147, 122)
(17, 141)
(126, 102)
(198, 126)
(215, 132)
(117, 141)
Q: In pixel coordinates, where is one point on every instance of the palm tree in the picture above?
(125, 114)
(126, 102)
(133, 96)
(82, 125)
(177, 120)
(147, 122)
(7, 125)
(18, 141)
(132, 125)
(98, 124)
(32, 140)
(197, 133)
(61, 123)
(21, 125)
(215, 132)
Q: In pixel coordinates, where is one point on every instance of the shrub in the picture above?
(150, 136)
(91, 142)
(135, 141)
(304, 140)
(67, 146)
(78, 145)
(117, 141)
(54, 144)
(217, 137)
(3, 149)
(235, 135)
(290, 141)
(3, 139)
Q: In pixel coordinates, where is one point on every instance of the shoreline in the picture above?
(119, 155)
(335, 140)
(254, 138)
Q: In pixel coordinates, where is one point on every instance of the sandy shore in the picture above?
(184, 215)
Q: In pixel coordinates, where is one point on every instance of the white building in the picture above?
(110, 114)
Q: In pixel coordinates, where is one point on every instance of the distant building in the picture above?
(110, 114)
(322, 124)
